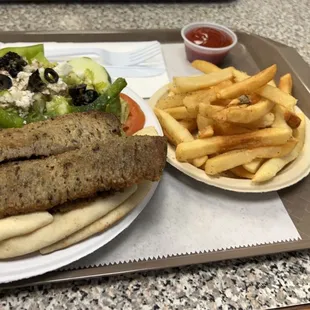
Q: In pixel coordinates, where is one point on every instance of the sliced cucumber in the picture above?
(100, 75)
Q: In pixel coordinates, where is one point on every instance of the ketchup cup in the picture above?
(211, 54)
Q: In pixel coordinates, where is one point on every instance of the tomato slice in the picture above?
(136, 118)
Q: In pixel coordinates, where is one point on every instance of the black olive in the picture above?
(81, 96)
(5, 82)
(51, 75)
(90, 96)
(13, 63)
(35, 83)
(77, 90)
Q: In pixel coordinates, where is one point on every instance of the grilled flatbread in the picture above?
(104, 223)
(64, 225)
(19, 225)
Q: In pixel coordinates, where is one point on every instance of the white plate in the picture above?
(36, 264)
(293, 173)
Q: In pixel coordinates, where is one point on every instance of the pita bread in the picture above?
(19, 225)
(62, 226)
(147, 131)
(104, 223)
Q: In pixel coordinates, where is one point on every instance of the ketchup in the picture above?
(209, 37)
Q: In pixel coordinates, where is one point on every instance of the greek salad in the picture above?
(34, 89)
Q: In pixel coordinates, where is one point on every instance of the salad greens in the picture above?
(28, 52)
(41, 89)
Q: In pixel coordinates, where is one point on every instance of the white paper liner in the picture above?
(185, 216)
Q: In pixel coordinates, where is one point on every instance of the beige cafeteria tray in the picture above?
(245, 56)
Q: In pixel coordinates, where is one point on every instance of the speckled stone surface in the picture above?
(259, 283)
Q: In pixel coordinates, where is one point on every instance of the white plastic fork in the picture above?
(113, 58)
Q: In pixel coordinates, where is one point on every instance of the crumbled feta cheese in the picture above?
(21, 81)
(6, 98)
(21, 98)
(32, 67)
(63, 69)
(55, 88)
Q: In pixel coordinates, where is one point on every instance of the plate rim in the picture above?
(199, 175)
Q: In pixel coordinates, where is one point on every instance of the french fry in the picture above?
(242, 173)
(245, 99)
(276, 95)
(205, 66)
(174, 130)
(286, 83)
(201, 147)
(271, 167)
(254, 165)
(169, 137)
(170, 101)
(203, 122)
(192, 100)
(236, 158)
(269, 92)
(200, 161)
(272, 83)
(243, 114)
(266, 121)
(212, 91)
(207, 132)
(221, 102)
(179, 113)
(291, 119)
(227, 129)
(239, 123)
(192, 105)
(285, 117)
(172, 87)
(254, 98)
(279, 121)
(209, 110)
(248, 85)
(192, 83)
(234, 102)
(208, 67)
(222, 85)
(189, 124)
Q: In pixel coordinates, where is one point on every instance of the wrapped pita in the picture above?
(19, 225)
(104, 223)
(63, 225)
(147, 131)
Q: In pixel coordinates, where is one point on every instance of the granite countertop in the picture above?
(257, 283)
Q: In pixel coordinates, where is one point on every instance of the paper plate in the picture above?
(293, 173)
(36, 264)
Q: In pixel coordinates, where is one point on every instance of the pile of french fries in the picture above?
(229, 123)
